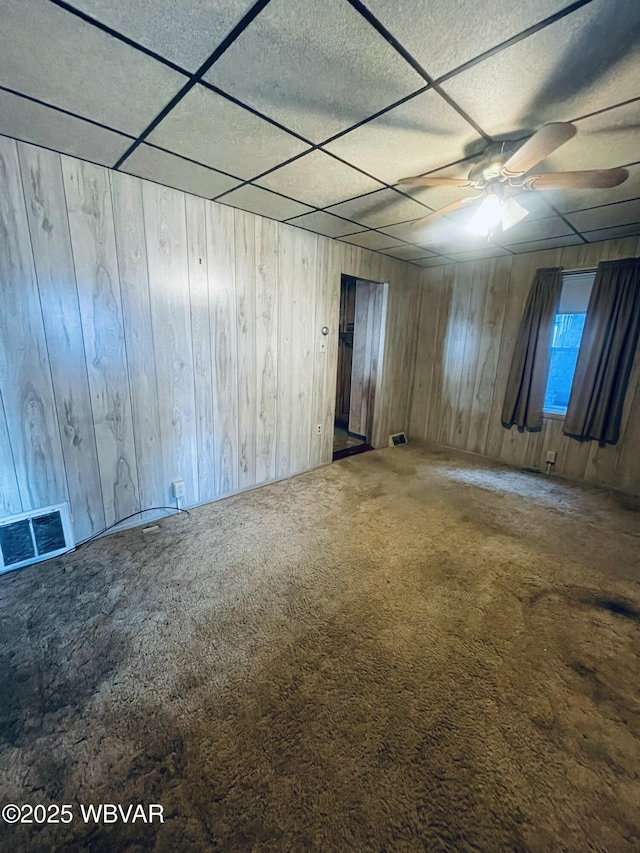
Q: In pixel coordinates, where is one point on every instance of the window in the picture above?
(565, 339)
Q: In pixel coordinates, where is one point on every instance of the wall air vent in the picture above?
(397, 439)
(29, 537)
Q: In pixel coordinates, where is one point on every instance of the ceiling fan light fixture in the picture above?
(486, 217)
(512, 213)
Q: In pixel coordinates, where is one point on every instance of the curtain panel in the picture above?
(607, 351)
(527, 383)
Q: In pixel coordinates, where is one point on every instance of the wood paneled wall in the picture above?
(470, 313)
(148, 335)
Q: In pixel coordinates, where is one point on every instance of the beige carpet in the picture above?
(402, 651)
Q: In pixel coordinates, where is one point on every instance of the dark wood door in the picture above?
(345, 348)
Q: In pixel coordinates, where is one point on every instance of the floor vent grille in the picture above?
(29, 537)
(397, 439)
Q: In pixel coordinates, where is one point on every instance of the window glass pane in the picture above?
(565, 343)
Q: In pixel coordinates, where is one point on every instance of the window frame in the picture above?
(560, 416)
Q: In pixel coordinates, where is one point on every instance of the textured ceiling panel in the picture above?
(319, 69)
(212, 130)
(553, 243)
(408, 253)
(172, 171)
(432, 262)
(324, 223)
(427, 32)
(582, 63)
(185, 33)
(607, 216)
(539, 229)
(316, 70)
(385, 207)
(418, 136)
(479, 254)
(41, 125)
(319, 180)
(52, 55)
(614, 233)
(264, 203)
(372, 240)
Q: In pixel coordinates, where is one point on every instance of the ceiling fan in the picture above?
(501, 181)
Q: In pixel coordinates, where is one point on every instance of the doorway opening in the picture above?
(360, 339)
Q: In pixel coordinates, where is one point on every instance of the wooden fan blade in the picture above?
(541, 144)
(443, 211)
(428, 181)
(594, 179)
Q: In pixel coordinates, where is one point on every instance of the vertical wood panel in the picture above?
(492, 323)
(49, 229)
(286, 296)
(444, 313)
(25, 379)
(201, 339)
(267, 238)
(94, 254)
(473, 338)
(131, 246)
(327, 314)
(245, 254)
(165, 222)
(425, 362)
(454, 352)
(302, 354)
(222, 305)
(9, 492)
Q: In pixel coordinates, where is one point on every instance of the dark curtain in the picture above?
(527, 383)
(607, 350)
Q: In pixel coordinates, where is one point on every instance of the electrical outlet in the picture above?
(318, 429)
(322, 345)
(551, 457)
(179, 490)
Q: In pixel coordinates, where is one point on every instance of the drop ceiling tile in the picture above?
(324, 223)
(456, 31)
(423, 134)
(184, 33)
(432, 262)
(164, 168)
(372, 240)
(538, 229)
(607, 216)
(385, 207)
(480, 254)
(212, 130)
(54, 56)
(44, 126)
(264, 203)
(613, 233)
(539, 245)
(319, 180)
(585, 62)
(408, 253)
(316, 71)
